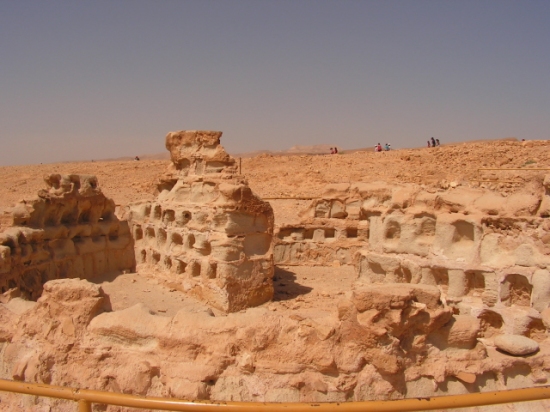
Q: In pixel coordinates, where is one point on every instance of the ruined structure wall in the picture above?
(206, 234)
(69, 231)
(487, 253)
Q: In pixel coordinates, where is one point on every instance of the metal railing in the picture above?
(86, 398)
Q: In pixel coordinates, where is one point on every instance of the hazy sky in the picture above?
(98, 79)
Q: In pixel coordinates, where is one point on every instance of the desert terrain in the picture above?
(323, 293)
(303, 175)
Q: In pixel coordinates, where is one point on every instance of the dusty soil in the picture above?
(300, 289)
(304, 176)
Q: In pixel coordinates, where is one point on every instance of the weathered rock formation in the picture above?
(487, 253)
(70, 230)
(207, 233)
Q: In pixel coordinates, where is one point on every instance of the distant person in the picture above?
(387, 147)
(331, 150)
(429, 145)
(433, 142)
(378, 147)
(136, 158)
(335, 150)
(437, 141)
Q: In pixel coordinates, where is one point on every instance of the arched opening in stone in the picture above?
(403, 274)
(308, 234)
(463, 231)
(157, 212)
(155, 257)
(180, 267)
(190, 241)
(393, 230)
(427, 227)
(177, 239)
(475, 283)
(168, 216)
(161, 237)
(490, 322)
(536, 330)
(516, 290)
(138, 232)
(184, 217)
(441, 277)
(150, 233)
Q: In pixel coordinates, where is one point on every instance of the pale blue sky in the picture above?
(100, 79)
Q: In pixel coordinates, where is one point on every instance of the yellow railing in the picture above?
(86, 397)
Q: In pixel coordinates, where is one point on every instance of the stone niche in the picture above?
(206, 234)
(69, 231)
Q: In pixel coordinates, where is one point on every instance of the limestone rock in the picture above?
(460, 332)
(516, 345)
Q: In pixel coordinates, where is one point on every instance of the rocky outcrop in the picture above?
(69, 230)
(206, 234)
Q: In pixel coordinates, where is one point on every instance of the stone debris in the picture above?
(516, 345)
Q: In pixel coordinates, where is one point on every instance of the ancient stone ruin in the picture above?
(487, 254)
(69, 231)
(206, 234)
(450, 294)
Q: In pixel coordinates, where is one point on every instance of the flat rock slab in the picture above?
(516, 345)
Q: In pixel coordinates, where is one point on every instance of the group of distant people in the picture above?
(378, 147)
(433, 142)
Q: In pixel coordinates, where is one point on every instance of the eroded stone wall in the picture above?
(69, 231)
(207, 233)
(488, 254)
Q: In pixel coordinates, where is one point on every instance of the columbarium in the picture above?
(69, 230)
(206, 234)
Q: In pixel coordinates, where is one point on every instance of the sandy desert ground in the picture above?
(303, 175)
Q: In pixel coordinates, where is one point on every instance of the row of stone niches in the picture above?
(515, 289)
(168, 216)
(194, 267)
(319, 234)
(163, 239)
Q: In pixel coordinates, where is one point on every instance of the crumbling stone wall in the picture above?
(206, 234)
(69, 231)
(487, 253)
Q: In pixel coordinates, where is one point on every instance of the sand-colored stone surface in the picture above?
(395, 274)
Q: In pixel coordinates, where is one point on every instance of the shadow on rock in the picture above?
(286, 288)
